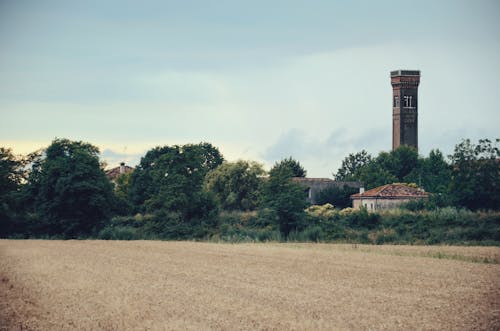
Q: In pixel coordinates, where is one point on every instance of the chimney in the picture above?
(361, 190)
(122, 168)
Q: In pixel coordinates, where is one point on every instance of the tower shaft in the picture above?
(405, 107)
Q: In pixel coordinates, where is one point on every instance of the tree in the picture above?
(170, 178)
(11, 172)
(432, 173)
(236, 185)
(351, 164)
(374, 174)
(399, 162)
(12, 176)
(286, 199)
(386, 168)
(122, 189)
(293, 165)
(475, 181)
(72, 194)
(339, 197)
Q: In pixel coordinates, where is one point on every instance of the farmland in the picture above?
(137, 285)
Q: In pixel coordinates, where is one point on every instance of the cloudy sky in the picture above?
(261, 80)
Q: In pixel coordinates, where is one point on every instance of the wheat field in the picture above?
(154, 285)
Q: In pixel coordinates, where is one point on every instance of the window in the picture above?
(408, 101)
(396, 101)
(371, 206)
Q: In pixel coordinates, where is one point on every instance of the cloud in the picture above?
(322, 155)
(113, 158)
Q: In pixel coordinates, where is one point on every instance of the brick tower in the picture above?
(405, 107)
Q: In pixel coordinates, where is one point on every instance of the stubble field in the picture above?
(153, 285)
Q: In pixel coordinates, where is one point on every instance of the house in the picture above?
(117, 171)
(313, 186)
(387, 196)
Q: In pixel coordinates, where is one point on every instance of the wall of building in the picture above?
(373, 204)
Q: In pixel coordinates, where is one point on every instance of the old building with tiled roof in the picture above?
(387, 196)
(117, 171)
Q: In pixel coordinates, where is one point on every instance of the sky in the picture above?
(260, 80)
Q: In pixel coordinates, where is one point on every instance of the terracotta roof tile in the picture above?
(115, 172)
(392, 191)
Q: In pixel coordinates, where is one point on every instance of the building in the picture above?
(313, 186)
(387, 196)
(405, 107)
(117, 171)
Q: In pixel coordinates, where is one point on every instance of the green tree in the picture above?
(351, 164)
(72, 195)
(386, 168)
(286, 199)
(432, 173)
(292, 165)
(170, 178)
(373, 175)
(339, 197)
(236, 185)
(475, 181)
(12, 176)
(122, 190)
(399, 162)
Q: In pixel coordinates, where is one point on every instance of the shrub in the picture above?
(325, 211)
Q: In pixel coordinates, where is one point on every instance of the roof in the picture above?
(392, 191)
(311, 180)
(116, 171)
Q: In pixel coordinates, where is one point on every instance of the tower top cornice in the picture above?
(397, 73)
(405, 78)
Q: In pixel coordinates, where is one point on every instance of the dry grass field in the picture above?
(148, 285)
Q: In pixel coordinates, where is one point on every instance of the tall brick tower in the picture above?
(405, 107)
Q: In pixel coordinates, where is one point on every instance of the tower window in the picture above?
(396, 102)
(408, 101)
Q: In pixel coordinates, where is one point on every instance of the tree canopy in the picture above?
(475, 181)
(72, 194)
(236, 185)
(351, 164)
(294, 166)
(171, 178)
(286, 199)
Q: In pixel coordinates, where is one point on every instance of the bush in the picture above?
(325, 211)
(119, 233)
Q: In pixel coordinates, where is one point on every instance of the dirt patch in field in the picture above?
(89, 285)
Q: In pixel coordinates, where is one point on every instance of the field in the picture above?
(154, 285)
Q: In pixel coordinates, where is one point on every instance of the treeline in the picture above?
(191, 192)
(470, 179)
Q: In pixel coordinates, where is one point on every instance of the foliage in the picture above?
(321, 211)
(340, 197)
(351, 164)
(432, 173)
(178, 189)
(296, 169)
(122, 189)
(475, 180)
(170, 178)
(71, 193)
(400, 165)
(12, 175)
(285, 198)
(236, 186)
